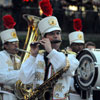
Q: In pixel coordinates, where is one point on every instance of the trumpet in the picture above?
(22, 50)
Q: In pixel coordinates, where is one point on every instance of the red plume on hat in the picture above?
(8, 21)
(77, 24)
(46, 7)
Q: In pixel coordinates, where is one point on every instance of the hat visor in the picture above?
(12, 40)
(78, 41)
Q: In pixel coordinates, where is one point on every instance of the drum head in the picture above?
(86, 73)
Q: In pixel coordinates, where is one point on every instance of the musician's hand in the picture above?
(47, 44)
(34, 49)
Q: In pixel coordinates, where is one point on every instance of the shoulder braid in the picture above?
(68, 52)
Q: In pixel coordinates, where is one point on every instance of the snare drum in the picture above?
(88, 72)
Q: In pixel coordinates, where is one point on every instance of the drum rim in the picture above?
(95, 74)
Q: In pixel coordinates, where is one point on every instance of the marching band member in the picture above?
(76, 38)
(77, 43)
(10, 62)
(41, 66)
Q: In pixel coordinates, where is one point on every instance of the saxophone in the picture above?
(39, 93)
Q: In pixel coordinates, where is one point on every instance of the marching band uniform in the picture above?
(75, 37)
(8, 67)
(36, 71)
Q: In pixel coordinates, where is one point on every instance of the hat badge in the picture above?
(13, 34)
(80, 36)
(52, 22)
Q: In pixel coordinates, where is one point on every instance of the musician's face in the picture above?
(77, 47)
(11, 47)
(54, 35)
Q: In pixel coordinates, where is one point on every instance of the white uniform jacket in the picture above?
(33, 70)
(8, 76)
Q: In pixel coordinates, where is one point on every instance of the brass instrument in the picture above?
(32, 35)
(22, 50)
(40, 91)
(23, 91)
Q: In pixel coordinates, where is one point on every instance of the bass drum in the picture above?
(87, 74)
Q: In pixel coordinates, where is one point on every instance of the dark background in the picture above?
(90, 18)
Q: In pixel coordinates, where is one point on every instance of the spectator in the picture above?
(90, 45)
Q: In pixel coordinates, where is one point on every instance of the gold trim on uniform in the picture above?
(17, 65)
(9, 63)
(41, 52)
(39, 76)
(40, 64)
(68, 52)
(59, 87)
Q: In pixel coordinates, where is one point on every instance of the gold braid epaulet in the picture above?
(68, 52)
(41, 51)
